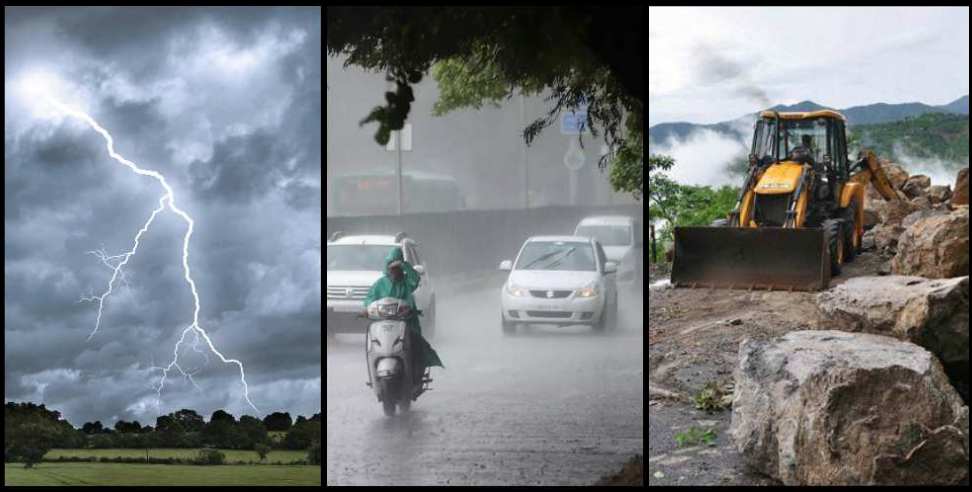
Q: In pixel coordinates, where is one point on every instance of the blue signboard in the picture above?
(573, 122)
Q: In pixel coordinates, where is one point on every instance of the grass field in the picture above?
(132, 474)
(232, 455)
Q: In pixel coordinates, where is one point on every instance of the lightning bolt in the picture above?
(166, 201)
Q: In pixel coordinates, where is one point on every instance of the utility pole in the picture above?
(526, 162)
(398, 136)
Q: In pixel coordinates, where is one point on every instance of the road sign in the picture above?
(573, 122)
(575, 158)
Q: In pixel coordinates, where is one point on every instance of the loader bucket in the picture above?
(751, 258)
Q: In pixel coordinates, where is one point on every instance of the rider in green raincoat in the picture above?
(401, 288)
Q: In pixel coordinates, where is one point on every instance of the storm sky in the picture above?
(226, 104)
(712, 64)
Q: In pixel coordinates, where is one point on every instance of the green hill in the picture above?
(930, 136)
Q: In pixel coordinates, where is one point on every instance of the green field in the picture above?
(134, 474)
(232, 455)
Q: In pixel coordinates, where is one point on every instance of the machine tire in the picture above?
(833, 232)
(850, 216)
(508, 327)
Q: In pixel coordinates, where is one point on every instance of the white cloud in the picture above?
(701, 158)
(836, 56)
(940, 171)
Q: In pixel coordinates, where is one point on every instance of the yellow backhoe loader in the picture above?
(799, 215)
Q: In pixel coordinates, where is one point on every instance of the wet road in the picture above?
(549, 406)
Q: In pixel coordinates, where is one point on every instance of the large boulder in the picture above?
(836, 408)
(922, 214)
(896, 174)
(927, 312)
(921, 202)
(935, 247)
(885, 237)
(939, 193)
(916, 185)
(961, 194)
(892, 212)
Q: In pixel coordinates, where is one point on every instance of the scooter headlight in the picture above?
(388, 309)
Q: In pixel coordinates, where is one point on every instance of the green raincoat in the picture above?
(386, 287)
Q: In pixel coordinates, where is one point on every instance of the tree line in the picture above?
(672, 204)
(30, 429)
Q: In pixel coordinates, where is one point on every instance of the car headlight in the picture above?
(589, 291)
(516, 291)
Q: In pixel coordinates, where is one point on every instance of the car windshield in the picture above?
(607, 235)
(556, 255)
(368, 257)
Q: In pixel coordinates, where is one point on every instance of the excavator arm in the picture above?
(872, 172)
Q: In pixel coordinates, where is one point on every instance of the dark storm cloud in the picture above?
(715, 66)
(225, 102)
(242, 167)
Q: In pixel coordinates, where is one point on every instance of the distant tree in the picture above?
(221, 431)
(127, 427)
(316, 417)
(300, 420)
(221, 415)
(278, 421)
(102, 441)
(314, 454)
(210, 457)
(147, 429)
(193, 440)
(170, 431)
(262, 450)
(190, 420)
(92, 427)
(32, 455)
(29, 440)
(302, 436)
(251, 432)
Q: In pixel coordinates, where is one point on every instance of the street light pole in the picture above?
(526, 155)
(398, 135)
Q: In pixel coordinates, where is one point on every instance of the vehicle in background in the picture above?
(622, 239)
(354, 263)
(376, 193)
(562, 280)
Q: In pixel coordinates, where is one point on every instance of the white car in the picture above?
(562, 280)
(622, 239)
(354, 263)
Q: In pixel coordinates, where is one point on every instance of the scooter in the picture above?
(387, 351)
